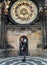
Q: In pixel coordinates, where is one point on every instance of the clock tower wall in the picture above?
(34, 38)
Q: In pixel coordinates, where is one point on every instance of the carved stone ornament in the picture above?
(24, 11)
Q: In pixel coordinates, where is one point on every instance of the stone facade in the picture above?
(34, 35)
(34, 38)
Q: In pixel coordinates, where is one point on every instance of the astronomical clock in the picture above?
(23, 12)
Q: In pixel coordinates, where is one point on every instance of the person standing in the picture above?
(23, 48)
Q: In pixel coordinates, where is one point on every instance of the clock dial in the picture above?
(23, 11)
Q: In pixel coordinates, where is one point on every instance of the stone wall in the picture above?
(34, 38)
(0, 19)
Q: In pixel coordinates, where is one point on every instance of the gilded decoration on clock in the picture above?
(24, 11)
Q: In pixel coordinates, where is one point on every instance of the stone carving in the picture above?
(24, 11)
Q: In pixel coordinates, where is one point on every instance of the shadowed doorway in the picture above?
(26, 39)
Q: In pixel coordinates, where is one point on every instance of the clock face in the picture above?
(23, 11)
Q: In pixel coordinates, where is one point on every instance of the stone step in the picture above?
(1, 54)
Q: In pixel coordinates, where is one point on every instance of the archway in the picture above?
(26, 41)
